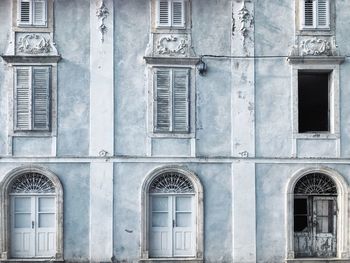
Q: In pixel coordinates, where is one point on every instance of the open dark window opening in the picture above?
(313, 101)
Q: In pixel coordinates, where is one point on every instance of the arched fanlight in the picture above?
(32, 183)
(171, 182)
(315, 183)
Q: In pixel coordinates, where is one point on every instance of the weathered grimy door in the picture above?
(324, 227)
(315, 217)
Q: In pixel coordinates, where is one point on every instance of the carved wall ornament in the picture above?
(172, 45)
(34, 44)
(245, 18)
(316, 47)
(102, 13)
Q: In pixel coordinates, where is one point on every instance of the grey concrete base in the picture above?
(315, 260)
(168, 260)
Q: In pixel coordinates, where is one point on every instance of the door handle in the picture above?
(173, 223)
(33, 224)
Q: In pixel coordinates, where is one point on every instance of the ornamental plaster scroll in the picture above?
(102, 13)
(245, 18)
(34, 44)
(315, 47)
(172, 45)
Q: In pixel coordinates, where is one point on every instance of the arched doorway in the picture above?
(172, 209)
(315, 216)
(32, 218)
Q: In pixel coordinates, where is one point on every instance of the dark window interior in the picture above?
(300, 215)
(313, 102)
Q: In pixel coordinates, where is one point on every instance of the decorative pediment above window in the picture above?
(315, 49)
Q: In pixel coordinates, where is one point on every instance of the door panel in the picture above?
(33, 226)
(45, 227)
(315, 226)
(23, 242)
(171, 226)
(160, 228)
(324, 229)
(184, 226)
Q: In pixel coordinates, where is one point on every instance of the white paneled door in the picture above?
(172, 226)
(33, 226)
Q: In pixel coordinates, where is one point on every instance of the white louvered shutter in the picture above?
(22, 98)
(163, 17)
(162, 97)
(178, 13)
(39, 12)
(180, 100)
(41, 98)
(309, 14)
(24, 12)
(323, 13)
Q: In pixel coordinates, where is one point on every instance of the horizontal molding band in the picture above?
(135, 159)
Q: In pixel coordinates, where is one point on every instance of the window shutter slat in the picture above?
(41, 98)
(322, 13)
(164, 10)
(25, 12)
(180, 100)
(162, 100)
(309, 13)
(177, 14)
(39, 16)
(22, 98)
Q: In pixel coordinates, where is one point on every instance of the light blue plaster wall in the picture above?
(274, 27)
(5, 73)
(73, 39)
(131, 38)
(216, 180)
(344, 93)
(273, 108)
(211, 35)
(274, 36)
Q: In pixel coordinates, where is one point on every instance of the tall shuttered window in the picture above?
(32, 13)
(32, 99)
(315, 14)
(171, 100)
(171, 13)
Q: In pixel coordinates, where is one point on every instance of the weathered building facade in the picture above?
(174, 131)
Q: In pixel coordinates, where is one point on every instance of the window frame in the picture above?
(329, 84)
(31, 22)
(334, 129)
(170, 23)
(52, 131)
(31, 96)
(190, 133)
(313, 30)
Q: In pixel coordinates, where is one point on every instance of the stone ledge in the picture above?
(34, 260)
(31, 59)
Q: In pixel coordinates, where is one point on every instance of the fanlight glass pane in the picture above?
(47, 220)
(22, 204)
(160, 204)
(159, 219)
(32, 183)
(46, 204)
(171, 182)
(23, 221)
(315, 183)
(183, 204)
(183, 219)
